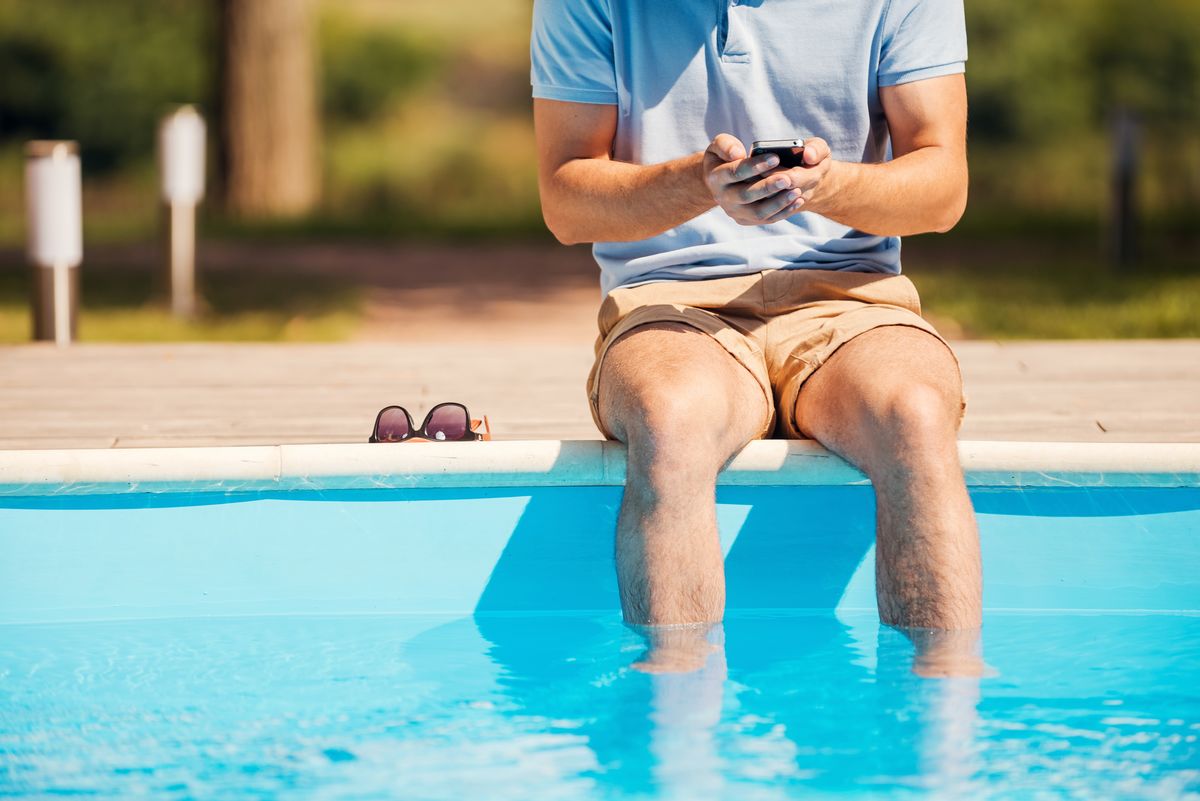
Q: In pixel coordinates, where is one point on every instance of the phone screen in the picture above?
(788, 156)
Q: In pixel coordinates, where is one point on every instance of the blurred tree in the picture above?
(450, 81)
(268, 108)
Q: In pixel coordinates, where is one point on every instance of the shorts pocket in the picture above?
(886, 290)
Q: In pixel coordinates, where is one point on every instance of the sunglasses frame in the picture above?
(423, 432)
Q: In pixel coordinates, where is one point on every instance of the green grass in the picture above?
(1040, 294)
(123, 306)
(992, 289)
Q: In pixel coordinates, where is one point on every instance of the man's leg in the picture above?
(889, 402)
(683, 406)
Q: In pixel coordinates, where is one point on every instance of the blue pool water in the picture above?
(465, 643)
(525, 706)
(145, 554)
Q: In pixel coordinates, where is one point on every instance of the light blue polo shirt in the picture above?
(683, 71)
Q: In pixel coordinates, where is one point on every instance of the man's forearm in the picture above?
(595, 199)
(922, 191)
(600, 200)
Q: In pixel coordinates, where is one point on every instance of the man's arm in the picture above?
(589, 197)
(924, 187)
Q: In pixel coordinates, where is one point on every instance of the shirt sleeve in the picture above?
(922, 39)
(571, 51)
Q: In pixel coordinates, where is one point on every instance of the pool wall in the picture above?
(527, 526)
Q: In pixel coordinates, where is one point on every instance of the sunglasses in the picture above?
(446, 422)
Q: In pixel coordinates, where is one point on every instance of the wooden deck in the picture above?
(102, 396)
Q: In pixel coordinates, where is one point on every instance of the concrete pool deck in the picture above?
(127, 396)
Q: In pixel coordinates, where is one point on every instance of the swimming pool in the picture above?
(441, 622)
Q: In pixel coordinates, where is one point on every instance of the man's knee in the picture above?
(657, 397)
(919, 412)
(911, 394)
(904, 425)
(675, 419)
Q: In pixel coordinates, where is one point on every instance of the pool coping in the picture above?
(552, 463)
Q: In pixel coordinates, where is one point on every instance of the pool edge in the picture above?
(547, 463)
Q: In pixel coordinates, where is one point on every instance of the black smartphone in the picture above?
(789, 151)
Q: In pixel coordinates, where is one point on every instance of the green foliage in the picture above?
(427, 124)
(1045, 80)
(364, 72)
(101, 72)
(1145, 56)
(1041, 70)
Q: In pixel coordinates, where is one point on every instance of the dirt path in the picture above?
(478, 292)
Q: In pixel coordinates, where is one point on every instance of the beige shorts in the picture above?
(781, 325)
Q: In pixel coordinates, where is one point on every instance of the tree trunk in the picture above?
(268, 108)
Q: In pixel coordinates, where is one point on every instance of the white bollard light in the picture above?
(54, 243)
(181, 166)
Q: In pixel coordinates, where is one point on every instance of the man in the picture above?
(743, 298)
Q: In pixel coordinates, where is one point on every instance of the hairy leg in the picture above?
(683, 406)
(889, 402)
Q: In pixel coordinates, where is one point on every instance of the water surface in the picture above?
(547, 706)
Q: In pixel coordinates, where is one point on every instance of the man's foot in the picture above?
(675, 649)
(945, 654)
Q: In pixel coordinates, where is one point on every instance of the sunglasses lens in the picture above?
(393, 426)
(447, 423)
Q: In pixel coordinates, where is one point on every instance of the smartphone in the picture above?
(789, 151)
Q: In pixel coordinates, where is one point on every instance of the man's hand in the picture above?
(752, 191)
